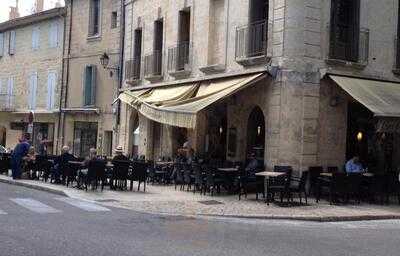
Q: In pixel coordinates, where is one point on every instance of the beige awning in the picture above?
(382, 98)
(179, 105)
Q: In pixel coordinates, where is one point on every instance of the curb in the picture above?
(310, 218)
(32, 186)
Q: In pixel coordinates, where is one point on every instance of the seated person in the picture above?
(253, 165)
(119, 155)
(61, 163)
(29, 161)
(354, 165)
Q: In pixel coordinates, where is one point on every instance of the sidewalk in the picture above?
(166, 200)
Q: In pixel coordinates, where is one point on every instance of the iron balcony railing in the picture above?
(153, 64)
(362, 51)
(179, 57)
(7, 102)
(251, 40)
(132, 69)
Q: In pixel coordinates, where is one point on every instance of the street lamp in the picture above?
(104, 61)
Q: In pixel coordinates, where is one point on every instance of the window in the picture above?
(89, 90)
(94, 18)
(345, 30)
(137, 54)
(114, 19)
(1, 44)
(54, 34)
(258, 10)
(32, 85)
(51, 90)
(85, 137)
(11, 42)
(35, 38)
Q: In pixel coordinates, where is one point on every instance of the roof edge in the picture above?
(33, 18)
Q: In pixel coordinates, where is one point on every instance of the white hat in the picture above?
(119, 149)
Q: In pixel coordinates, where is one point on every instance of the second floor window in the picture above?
(345, 30)
(51, 89)
(35, 38)
(32, 86)
(94, 18)
(11, 42)
(89, 86)
(54, 34)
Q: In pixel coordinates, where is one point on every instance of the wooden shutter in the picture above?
(32, 91)
(11, 48)
(10, 91)
(1, 44)
(53, 34)
(90, 85)
(35, 38)
(51, 86)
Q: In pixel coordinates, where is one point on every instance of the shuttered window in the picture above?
(32, 85)
(35, 38)
(94, 18)
(51, 90)
(1, 44)
(11, 42)
(10, 91)
(54, 40)
(89, 86)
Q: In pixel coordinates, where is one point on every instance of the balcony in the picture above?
(7, 102)
(132, 70)
(251, 43)
(180, 60)
(153, 66)
(361, 60)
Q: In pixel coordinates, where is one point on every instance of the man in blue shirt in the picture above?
(20, 150)
(354, 165)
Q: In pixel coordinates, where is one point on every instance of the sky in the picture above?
(25, 7)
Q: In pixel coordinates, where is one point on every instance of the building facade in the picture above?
(31, 51)
(88, 117)
(297, 114)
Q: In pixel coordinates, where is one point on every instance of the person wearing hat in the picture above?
(61, 164)
(119, 154)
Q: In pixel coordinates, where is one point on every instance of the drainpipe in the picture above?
(62, 82)
(121, 64)
(67, 69)
(227, 33)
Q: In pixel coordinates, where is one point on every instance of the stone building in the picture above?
(88, 118)
(30, 76)
(299, 83)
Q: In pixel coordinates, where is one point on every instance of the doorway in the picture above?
(256, 133)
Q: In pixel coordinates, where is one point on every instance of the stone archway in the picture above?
(256, 133)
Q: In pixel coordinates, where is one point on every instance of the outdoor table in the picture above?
(228, 169)
(267, 176)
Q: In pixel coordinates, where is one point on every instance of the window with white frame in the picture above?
(11, 42)
(35, 38)
(94, 17)
(10, 92)
(89, 85)
(54, 38)
(32, 85)
(51, 89)
(1, 44)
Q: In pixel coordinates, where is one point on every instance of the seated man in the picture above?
(119, 154)
(354, 165)
(253, 165)
(62, 163)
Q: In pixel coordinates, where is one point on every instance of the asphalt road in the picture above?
(38, 223)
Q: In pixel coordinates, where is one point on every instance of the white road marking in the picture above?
(84, 205)
(34, 205)
(2, 212)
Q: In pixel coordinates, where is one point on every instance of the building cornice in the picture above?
(32, 19)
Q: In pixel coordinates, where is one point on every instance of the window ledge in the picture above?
(94, 38)
(178, 74)
(396, 71)
(345, 63)
(133, 82)
(212, 69)
(154, 78)
(251, 61)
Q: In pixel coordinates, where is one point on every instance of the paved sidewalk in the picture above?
(166, 200)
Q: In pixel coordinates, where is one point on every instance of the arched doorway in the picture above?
(256, 133)
(133, 141)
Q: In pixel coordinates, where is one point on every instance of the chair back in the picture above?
(339, 182)
(354, 182)
(121, 169)
(96, 168)
(303, 179)
(139, 171)
(198, 176)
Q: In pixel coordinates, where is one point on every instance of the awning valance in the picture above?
(179, 105)
(381, 97)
